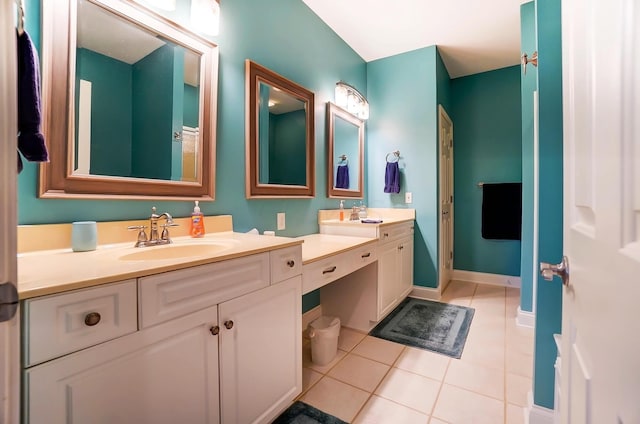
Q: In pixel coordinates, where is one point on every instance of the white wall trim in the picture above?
(535, 414)
(310, 315)
(526, 318)
(428, 293)
(485, 278)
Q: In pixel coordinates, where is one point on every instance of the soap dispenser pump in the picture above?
(197, 222)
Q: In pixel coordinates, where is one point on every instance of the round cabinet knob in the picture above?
(92, 319)
(291, 263)
(228, 325)
(214, 330)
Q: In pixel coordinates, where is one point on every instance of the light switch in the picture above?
(408, 197)
(281, 221)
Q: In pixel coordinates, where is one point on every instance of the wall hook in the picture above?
(524, 60)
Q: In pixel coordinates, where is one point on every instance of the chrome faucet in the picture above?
(154, 239)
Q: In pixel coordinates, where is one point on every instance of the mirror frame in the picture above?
(334, 111)
(254, 75)
(58, 87)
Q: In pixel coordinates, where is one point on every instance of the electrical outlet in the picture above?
(408, 197)
(281, 221)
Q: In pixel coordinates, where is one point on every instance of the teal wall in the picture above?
(153, 87)
(487, 148)
(111, 82)
(528, 84)
(287, 151)
(191, 106)
(402, 94)
(549, 296)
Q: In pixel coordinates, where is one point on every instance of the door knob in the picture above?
(561, 270)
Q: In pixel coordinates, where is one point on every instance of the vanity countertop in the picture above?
(320, 246)
(54, 271)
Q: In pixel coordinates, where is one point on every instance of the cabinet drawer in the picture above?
(361, 256)
(317, 274)
(285, 263)
(60, 324)
(176, 293)
(396, 231)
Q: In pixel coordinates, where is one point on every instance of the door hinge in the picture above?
(8, 301)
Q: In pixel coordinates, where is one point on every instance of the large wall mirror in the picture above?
(280, 135)
(345, 146)
(129, 103)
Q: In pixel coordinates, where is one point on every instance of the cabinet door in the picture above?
(407, 267)
(389, 277)
(164, 374)
(260, 353)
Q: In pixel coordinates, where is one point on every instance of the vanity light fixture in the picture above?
(350, 99)
(205, 16)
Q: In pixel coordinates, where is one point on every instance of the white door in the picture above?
(9, 330)
(446, 198)
(600, 349)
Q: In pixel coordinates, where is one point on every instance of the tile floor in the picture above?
(376, 381)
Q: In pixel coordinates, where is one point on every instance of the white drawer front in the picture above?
(317, 274)
(177, 293)
(394, 232)
(60, 324)
(362, 256)
(285, 263)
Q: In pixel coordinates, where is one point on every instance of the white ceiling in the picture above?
(472, 35)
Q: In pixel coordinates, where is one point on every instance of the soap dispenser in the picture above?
(342, 210)
(197, 222)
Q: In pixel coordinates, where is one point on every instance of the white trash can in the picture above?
(324, 333)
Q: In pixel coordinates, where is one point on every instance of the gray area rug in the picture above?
(301, 413)
(435, 326)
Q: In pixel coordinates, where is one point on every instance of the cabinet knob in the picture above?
(291, 263)
(228, 324)
(92, 319)
(386, 235)
(400, 247)
(214, 330)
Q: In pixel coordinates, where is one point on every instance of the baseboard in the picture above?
(486, 278)
(428, 293)
(310, 315)
(535, 414)
(526, 318)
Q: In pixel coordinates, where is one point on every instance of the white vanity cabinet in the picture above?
(395, 266)
(353, 301)
(216, 343)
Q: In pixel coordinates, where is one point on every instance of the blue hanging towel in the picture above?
(30, 140)
(342, 176)
(392, 178)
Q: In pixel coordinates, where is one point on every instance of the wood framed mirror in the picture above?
(345, 157)
(279, 135)
(129, 103)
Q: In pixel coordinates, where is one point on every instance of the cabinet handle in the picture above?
(386, 235)
(400, 247)
(291, 263)
(366, 255)
(92, 319)
(214, 330)
(329, 270)
(228, 324)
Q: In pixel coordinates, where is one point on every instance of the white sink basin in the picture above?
(176, 251)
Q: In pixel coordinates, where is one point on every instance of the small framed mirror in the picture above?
(129, 103)
(280, 135)
(345, 147)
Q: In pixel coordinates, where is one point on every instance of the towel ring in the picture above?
(395, 154)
